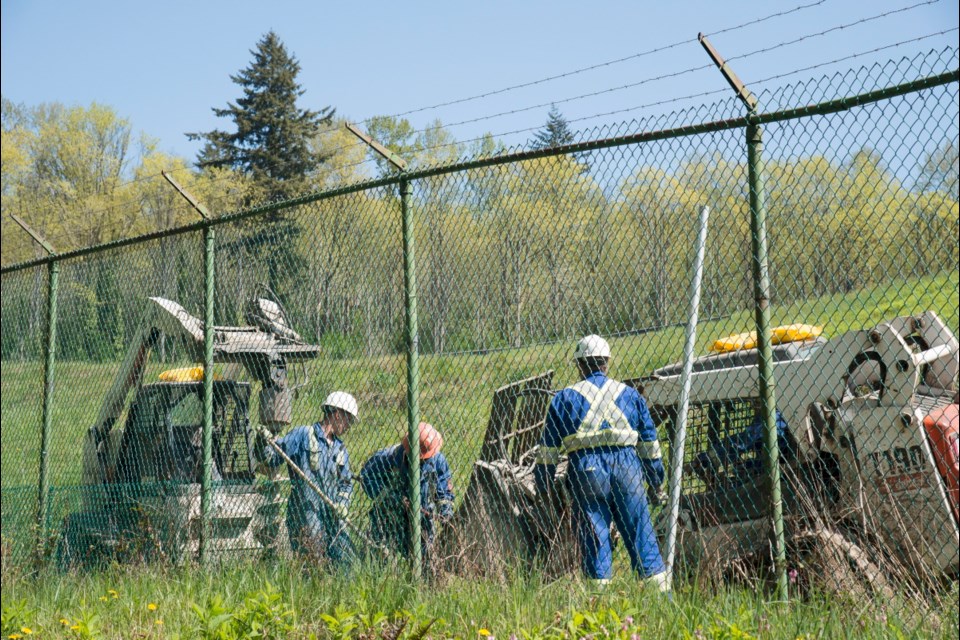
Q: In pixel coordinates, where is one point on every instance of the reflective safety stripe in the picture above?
(314, 445)
(547, 455)
(660, 580)
(649, 450)
(605, 423)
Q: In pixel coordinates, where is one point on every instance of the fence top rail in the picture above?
(823, 108)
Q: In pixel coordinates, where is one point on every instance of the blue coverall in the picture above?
(730, 451)
(385, 478)
(311, 524)
(605, 428)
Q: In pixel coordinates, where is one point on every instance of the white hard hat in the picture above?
(592, 346)
(342, 400)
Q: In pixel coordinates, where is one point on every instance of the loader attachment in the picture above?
(501, 524)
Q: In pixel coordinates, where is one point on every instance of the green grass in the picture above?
(456, 390)
(300, 604)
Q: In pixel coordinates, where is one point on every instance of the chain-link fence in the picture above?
(821, 454)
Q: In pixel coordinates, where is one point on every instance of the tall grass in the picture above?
(324, 604)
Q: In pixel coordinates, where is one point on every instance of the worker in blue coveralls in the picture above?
(315, 527)
(606, 430)
(385, 478)
(734, 452)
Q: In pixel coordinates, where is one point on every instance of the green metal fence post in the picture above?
(209, 277)
(761, 294)
(49, 360)
(761, 288)
(50, 348)
(413, 377)
(209, 236)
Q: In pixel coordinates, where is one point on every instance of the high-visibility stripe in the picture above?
(606, 438)
(605, 423)
(660, 580)
(314, 445)
(649, 450)
(547, 455)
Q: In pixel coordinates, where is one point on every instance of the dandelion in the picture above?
(113, 593)
(152, 606)
(75, 627)
(64, 622)
(26, 630)
(104, 598)
(158, 621)
(485, 633)
(14, 636)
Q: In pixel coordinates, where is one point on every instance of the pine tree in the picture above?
(555, 133)
(270, 144)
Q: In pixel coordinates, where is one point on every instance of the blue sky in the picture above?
(163, 65)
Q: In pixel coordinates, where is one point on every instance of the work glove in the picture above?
(656, 496)
(341, 511)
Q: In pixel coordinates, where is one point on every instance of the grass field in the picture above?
(284, 602)
(455, 395)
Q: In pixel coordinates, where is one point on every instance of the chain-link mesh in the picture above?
(549, 463)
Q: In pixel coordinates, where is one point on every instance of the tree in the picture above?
(272, 143)
(556, 133)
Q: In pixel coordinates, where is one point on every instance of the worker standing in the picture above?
(605, 428)
(385, 477)
(316, 526)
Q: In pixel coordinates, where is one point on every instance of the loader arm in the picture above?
(264, 351)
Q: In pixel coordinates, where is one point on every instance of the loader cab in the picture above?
(162, 442)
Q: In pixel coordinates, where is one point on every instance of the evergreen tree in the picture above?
(555, 133)
(271, 145)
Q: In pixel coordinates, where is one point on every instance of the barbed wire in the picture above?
(460, 143)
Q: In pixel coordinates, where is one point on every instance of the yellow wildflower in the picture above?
(64, 622)
(484, 632)
(158, 621)
(152, 606)
(113, 593)
(26, 630)
(104, 598)
(14, 636)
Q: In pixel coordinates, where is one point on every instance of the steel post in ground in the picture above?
(680, 437)
(206, 482)
(413, 376)
(761, 287)
(50, 347)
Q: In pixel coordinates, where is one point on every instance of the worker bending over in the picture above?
(385, 477)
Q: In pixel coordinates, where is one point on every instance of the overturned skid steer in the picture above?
(141, 479)
(867, 436)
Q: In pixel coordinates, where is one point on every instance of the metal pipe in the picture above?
(680, 438)
(761, 287)
(206, 482)
(43, 501)
(413, 376)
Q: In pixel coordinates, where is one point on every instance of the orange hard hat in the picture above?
(430, 441)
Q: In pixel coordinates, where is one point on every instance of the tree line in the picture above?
(506, 255)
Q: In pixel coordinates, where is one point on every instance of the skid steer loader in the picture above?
(867, 435)
(142, 458)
